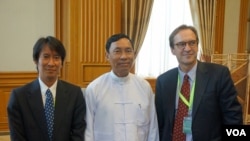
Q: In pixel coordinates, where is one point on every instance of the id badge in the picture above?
(187, 125)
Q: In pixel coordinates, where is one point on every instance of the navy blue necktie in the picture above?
(49, 112)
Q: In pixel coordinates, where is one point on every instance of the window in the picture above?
(155, 56)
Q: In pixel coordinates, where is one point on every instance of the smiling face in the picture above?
(49, 64)
(185, 49)
(121, 57)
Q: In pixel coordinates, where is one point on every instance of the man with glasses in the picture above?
(195, 99)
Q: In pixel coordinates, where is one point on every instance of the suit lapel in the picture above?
(200, 86)
(172, 97)
(34, 99)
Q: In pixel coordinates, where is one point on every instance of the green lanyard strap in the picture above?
(190, 103)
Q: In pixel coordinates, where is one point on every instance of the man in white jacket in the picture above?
(120, 105)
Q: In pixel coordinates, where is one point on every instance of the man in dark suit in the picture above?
(212, 100)
(26, 107)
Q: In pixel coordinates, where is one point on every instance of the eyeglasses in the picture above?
(182, 45)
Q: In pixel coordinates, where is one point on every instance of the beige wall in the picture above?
(22, 23)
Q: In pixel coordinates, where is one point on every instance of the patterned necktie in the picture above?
(49, 112)
(182, 111)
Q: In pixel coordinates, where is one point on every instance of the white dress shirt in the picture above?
(44, 88)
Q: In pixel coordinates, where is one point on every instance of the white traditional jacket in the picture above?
(120, 109)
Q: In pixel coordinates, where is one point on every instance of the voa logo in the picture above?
(236, 132)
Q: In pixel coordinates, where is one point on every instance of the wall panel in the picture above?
(86, 25)
(9, 81)
(242, 38)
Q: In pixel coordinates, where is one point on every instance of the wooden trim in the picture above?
(58, 13)
(83, 27)
(9, 81)
(152, 82)
(243, 27)
(16, 78)
(219, 26)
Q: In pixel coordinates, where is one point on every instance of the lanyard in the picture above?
(190, 103)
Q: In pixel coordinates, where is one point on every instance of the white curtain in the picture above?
(155, 56)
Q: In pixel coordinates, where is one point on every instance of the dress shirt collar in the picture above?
(191, 73)
(44, 88)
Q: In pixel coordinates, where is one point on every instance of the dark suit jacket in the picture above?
(27, 120)
(215, 102)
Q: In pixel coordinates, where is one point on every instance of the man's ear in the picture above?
(107, 55)
(173, 51)
(35, 62)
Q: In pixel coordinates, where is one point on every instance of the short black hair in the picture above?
(115, 38)
(53, 43)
